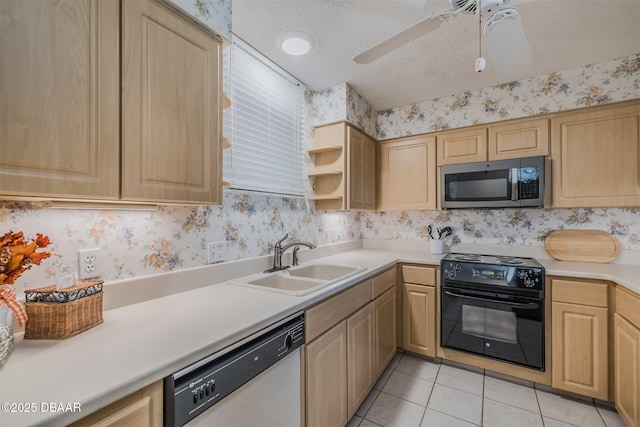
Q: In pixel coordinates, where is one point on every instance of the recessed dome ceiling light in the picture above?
(296, 42)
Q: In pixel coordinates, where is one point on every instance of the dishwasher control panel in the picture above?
(196, 388)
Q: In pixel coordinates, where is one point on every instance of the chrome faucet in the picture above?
(296, 248)
(278, 250)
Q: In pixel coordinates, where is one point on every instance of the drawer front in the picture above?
(579, 292)
(628, 305)
(383, 282)
(419, 275)
(321, 317)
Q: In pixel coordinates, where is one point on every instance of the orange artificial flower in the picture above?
(18, 255)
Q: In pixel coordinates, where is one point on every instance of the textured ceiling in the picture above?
(562, 34)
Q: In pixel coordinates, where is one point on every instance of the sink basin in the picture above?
(324, 271)
(287, 283)
(299, 281)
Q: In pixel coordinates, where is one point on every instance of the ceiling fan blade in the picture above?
(508, 45)
(405, 36)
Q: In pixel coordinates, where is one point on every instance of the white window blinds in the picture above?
(265, 125)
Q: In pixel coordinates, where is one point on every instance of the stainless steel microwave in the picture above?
(511, 183)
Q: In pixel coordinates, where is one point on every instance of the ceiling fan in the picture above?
(502, 29)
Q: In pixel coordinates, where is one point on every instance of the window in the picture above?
(265, 125)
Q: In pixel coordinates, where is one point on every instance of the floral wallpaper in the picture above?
(327, 106)
(215, 14)
(138, 243)
(361, 113)
(525, 227)
(339, 103)
(595, 84)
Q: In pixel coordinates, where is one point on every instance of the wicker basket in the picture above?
(55, 314)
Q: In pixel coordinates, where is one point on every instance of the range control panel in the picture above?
(525, 280)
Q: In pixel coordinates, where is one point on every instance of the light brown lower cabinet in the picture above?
(142, 408)
(360, 357)
(326, 378)
(627, 370)
(419, 319)
(343, 363)
(385, 336)
(626, 355)
(580, 338)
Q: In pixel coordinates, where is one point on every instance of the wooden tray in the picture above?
(582, 245)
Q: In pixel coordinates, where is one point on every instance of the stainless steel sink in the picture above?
(299, 281)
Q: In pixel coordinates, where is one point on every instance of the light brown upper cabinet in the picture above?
(508, 140)
(344, 172)
(60, 103)
(519, 138)
(71, 92)
(462, 146)
(595, 155)
(408, 174)
(171, 108)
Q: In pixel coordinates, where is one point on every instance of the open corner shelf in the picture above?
(320, 172)
(325, 148)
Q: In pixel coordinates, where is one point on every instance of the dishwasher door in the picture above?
(254, 382)
(272, 399)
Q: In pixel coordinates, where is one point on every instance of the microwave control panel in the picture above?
(529, 182)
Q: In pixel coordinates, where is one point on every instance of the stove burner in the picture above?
(510, 261)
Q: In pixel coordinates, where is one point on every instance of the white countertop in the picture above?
(143, 342)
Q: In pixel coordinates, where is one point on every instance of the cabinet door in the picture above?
(360, 357)
(520, 138)
(408, 174)
(419, 319)
(385, 342)
(60, 103)
(596, 158)
(326, 378)
(361, 173)
(142, 408)
(579, 349)
(626, 355)
(171, 107)
(462, 146)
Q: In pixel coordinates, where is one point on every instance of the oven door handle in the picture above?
(525, 306)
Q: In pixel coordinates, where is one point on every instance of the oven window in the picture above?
(488, 323)
(488, 185)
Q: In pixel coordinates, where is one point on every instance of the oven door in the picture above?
(503, 327)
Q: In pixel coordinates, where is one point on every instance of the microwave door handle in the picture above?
(526, 306)
(514, 184)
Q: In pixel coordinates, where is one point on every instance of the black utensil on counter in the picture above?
(445, 232)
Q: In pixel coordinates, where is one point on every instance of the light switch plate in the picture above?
(216, 252)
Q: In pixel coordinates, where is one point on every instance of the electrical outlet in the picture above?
(216, 252)
(89, 263)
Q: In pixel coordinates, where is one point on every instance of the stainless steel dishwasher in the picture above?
(255, 382)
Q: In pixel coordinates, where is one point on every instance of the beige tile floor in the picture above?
(422, 393)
